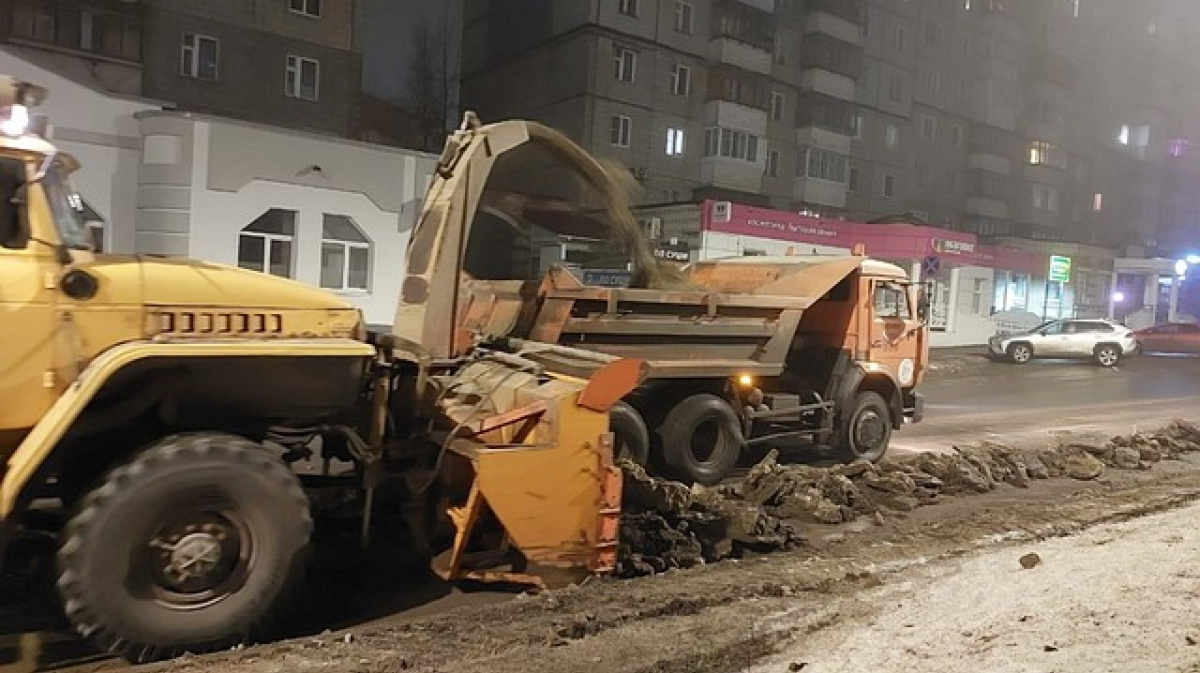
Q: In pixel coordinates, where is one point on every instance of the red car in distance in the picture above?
(1170, 338)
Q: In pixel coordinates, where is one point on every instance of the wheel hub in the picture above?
(196, 555)
(869, 431)
(196, 558)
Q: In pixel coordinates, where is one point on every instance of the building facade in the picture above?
(292, 63)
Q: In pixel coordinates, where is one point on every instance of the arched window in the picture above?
(266, 244)
(345, 255)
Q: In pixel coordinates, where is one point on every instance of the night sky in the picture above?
(385, 35)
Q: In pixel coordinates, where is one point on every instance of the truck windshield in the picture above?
(67, 208)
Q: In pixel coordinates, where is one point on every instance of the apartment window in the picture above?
(306, 7)
(303, 78)
(266, 243)
(1043, 153)
(681, 80)
(345, 254)
(853, 180)
(776, 105)
(1044, 197)
(685, 17)
(674, 142)
(891, 137)
(624, 65)
(889, 186)
(1097, 202)
(933, 82)
(896, 89)
(1180, 147)
(956, 135)
(199, 56)
(779, 50)
(730, 144)
(928, 128)
(628, 7)
(620, 131)
(899, 37)
(857, 124)
(826, 165)
(933, 34)
(772, 163)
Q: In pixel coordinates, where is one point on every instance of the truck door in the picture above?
(27, 274)
(895, 331)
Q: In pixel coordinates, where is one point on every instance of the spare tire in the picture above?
(701, 439)
(631, 439)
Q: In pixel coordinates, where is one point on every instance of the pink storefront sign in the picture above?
(734, 218)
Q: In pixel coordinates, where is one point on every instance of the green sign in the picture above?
(1060, 269)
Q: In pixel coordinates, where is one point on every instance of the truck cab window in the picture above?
(891, 302)
(67, 207)
(12, 179)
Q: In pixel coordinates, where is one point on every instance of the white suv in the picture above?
(1103, 341)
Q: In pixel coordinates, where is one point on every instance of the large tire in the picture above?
(701, 439)
(631, 438)
(1020, 353)
(185, 548)
(1107, 355)
(864, 432)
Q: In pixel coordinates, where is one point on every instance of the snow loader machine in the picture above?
(739, 353)
(178, 426)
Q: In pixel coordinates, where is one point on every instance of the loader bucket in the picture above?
(540, 502)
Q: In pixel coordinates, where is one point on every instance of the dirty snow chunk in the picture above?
(1030, 560)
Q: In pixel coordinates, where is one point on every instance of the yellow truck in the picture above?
(190, 417)
(166, 403)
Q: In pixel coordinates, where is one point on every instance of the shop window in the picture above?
(345, 254)
(266, 244)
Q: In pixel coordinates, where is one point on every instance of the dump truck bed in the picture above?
(736, 316)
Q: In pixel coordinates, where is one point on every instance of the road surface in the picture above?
(1010, 403)
(978, 400)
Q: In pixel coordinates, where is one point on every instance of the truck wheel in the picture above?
(701, 439)
(186, 547)
(632, 439)
(865, 432)
(1107, 355)
(1020, 353)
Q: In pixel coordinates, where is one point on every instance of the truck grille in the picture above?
(214, 323)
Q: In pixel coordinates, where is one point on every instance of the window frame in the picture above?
(295, 63)
(269, 240)
(676, 142)
(628, 8)
(681, 78)
(690, 14)
(619, 65)
(347, 259)
(190, 56)
(305, 6)
(620, 132)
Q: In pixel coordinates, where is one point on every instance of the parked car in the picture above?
(1103, 341)
(1170, 338)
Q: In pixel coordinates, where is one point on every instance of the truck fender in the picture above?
(874, 377)
(38, 445)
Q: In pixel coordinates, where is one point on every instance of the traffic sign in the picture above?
(1060, 269)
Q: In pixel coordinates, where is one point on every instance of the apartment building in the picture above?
(290, 63)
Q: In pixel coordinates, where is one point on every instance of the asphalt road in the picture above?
(984, 399)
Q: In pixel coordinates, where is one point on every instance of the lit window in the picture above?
(1043, 153)
(1180, 147)
(266, 243)
(674, 142)
(624, 65)
(303, 78)
(198, 57)
(1097, 202)
(685, 14)
(620, 130)
(345, 254)
(306, 7)
(1123, 134)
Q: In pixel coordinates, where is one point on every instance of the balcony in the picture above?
(991, 163)
(767, 6)
(834, 26)
(85, 28)
(811, 136)
(981, 206)
(820, 192)
(732, 173)
(849, 11)
(729, 114)
(818, 80)
(731, 51)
